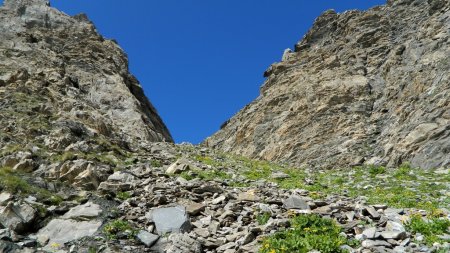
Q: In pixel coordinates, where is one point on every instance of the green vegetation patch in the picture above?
(115, 227)
(13, 183)
(123, 195)
(402, 187)
(430, 228)
(307, 233)
(263, 218)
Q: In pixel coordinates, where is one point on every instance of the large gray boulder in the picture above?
(80, 221)
(60, 231)
(171, 220)
(18, 217)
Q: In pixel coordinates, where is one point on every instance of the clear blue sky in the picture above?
(201, 61)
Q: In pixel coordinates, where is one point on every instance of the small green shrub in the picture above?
(376, 170)
(263, 218)
(123, 195)
(308, 232)
(405, 172)
(113, 228)
(156, 163)
(431, 228)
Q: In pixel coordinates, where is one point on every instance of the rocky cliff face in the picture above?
(62, 84)
(361, 86)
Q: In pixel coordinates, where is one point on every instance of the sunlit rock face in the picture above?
(360, 87)
(62, 83)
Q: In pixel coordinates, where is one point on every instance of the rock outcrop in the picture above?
(361, 87)
(61, 83)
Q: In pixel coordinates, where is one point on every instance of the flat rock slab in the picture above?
(375, 243)
(86, 211)
(148, 239)
(396, 235)
(372, 212)
(171, 220)
(59, 231)
(370, 232)
(296, 202)
(248, 196)
(4, 198)
(193, 208)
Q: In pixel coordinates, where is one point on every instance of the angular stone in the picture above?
(370, 233)
(180, 243)
(208, 188)
(171, 220)
(361, 237)
(202, 232)
(399, 249)
(224, 247)
(350, 215)
(110, 187)
(178, 167)
(279, 175)
(218, 200)
(148, 239)
(295, 202)
(59, 231)
(122, 177)
(17, 217)
(396, 235)
(5, 198)
(248, 196)
(372, 212)
(248, 238)
(5, 234)
(194, 208)
(394, 226)
(274, 224)
(86, 211)
(253, 247)
(371, 243)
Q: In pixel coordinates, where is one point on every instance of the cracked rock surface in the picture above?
(360, 87)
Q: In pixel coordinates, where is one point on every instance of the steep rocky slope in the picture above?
(79, 171)
(62, 84)
(361, 86)
(220, 203)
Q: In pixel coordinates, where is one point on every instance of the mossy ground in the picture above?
(403, 187)
(15, 183)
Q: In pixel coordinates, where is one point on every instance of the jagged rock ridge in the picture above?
(361, 87)
(61, 83)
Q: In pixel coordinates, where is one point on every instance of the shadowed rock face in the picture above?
(61, 82)
(360, 87)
